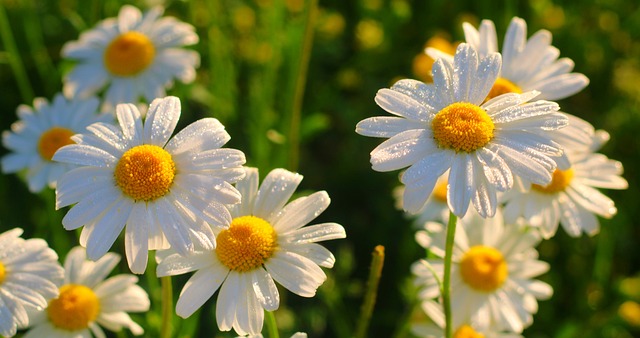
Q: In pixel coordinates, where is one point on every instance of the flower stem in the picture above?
(167, 306)
(272, 327)
(300, 83)
(377, 261)
(446, 283)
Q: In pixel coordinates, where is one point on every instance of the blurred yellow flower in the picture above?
(369, 34)
(630, 312)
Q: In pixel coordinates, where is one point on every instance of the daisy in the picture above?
(462, 328)
(86, 299)
(132, 55)
(571, 198)
(492, 271)
(267, 240)
(41, 131)
(445, 126)
(435, 208)
(163, 189)
(29, 275)
(527, 65)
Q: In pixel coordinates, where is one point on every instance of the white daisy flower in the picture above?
(86, 299)
(434, 209)
(461, 328)
(571, 198)
(492, 271)
(41, 131)
(163, 189)
(445, 126)
(266, 241)
(29, 276)
(527, 65)
(132, 55)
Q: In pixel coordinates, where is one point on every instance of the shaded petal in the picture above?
(161, 120)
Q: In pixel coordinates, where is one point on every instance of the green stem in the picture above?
(272, 326)
(24, 86)
(300, 82)
(446, 283)
(167, 306)
(377, 261)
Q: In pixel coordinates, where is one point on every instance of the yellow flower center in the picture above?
(3, 273)
(462, 126)
(440, 191)
(75, 308)
(502, 86)
(466, 331)
(52, 140)
(483, 268)
(247, 244)
(129, 54)
(145, 172)
(559, 181)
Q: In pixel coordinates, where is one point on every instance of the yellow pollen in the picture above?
(559, 181)
(502, 86)
(75, 308)
(483, 268)
(466, 331)
(3, 273)
(52, 140)
(129, 54)
(440, 190)
(145, 172)
(462, 126)
(247, 244)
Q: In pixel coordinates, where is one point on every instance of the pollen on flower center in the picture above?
(247, 244)
(483, 268)
(466, 331)
(502, 86)
(129, 54)
(75, 307)
(52, 140)
(559, 181)
(462, 126)
(145, 172)
(440, 191)
(3, 273)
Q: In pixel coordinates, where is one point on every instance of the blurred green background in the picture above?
(253, 68)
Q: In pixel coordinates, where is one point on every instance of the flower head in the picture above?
(132, 55)
(41, 131)
(527, 65)
(446, 126)
(29, 275)
(165, 190)
(266, 240)
(491, 275)
(87, 299)
(571, 198)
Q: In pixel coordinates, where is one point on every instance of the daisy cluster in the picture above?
(484, 144)
(119, 169)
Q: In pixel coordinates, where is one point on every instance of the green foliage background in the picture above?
(252, 57)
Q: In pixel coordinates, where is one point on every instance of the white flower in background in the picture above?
(527, 65)
(132, 55)
(29, 276)
(492, 271)
(434, 209)
(461, 328)
(87, 299)
(165, 190)
(267, 240)
(446, 126)
(41, 131)
(571, 199)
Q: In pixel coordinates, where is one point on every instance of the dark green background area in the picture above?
(251, 53)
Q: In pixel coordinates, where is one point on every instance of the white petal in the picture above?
(84, 155)
(136, 238)
(204, 134)
(300, 212)
(265, 289)
(402, 150)
(107, 228)
(402, 105)
(296, 273)
(316, 233)
(275, 191)
(199, 288)
(131, 122)
(386, 126)
(161, 120)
